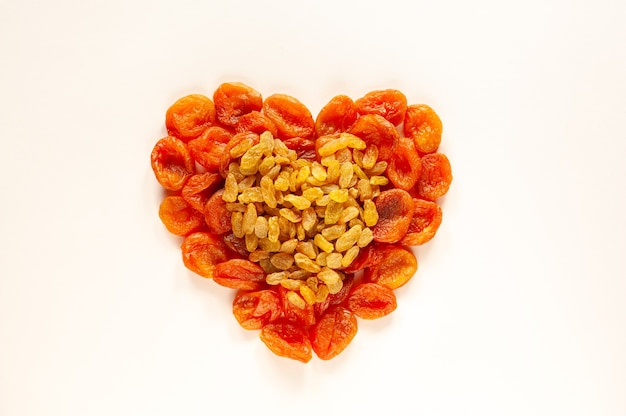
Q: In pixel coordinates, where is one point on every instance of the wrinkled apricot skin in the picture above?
(190, 116)
(179, 217)
(396, 267)
(235, 99)
(426, 220)
(375, 130)
(423, 125)
(333, 332)
(435, 178)
(255, 122)
(171, 163)
(216, 216)
(207, 149)
(254, 310)
(371, 301)
(405, 167)
(287, 339)
(239, 274)
(291, 117)
(202, 252)
(395, 210)
(199, 188)
(292, 313)
(390, 104)
(335, 117)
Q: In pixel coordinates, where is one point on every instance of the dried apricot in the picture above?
(424, 224)
(199, 188)
(236, 244)
(302, 314)
(405, 166)
(436, 176)
(203, 251)
(390, 104)
(376, 130)
(233, 100)
(287, 339)
(255, 122)
(239, 274)
(371, 301)
(423, 125)
(179, 217)
(333, 332)
(396, 267)
(216, 216)
(395, 210)
(335, 117)
(188, 117)
(291, 117)
(209, 147)
(254, 310)
(171, 163)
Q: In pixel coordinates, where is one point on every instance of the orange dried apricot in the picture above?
(199, 188)
(395, 210)
(405, 165)
(395, 268)
(390, 104)
(179, 217)
(207, 149)
(254, 310)
(235, 99)
(435, 178)
(423, 125)
(188, 117)
(376, 130)
(287, 339)
(202, 252)
(333, 332)
(216, 216)
(371, 301)
(239, 274)
(291, 117)
(171, 163)
(255, 122)
(335, 117)
(424, 224)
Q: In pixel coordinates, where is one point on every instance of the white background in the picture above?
(518, 306)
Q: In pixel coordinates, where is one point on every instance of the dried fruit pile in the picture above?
(309, 220)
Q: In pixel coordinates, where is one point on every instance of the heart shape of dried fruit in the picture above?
(309, 220)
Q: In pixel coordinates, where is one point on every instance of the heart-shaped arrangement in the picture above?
(310, 220)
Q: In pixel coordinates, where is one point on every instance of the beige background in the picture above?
(517, 307)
